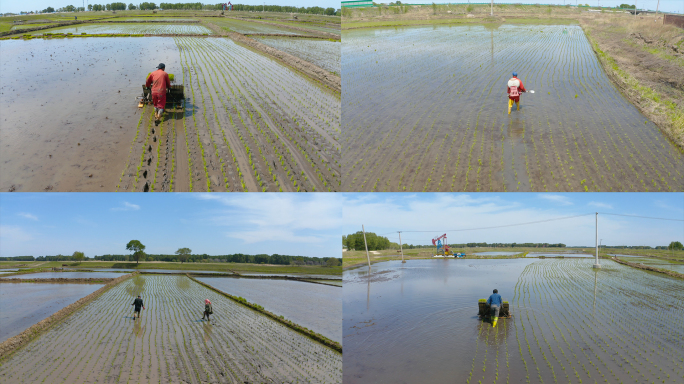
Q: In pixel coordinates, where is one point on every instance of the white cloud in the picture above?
(279, 217)
(127, 207)
(274, 235)
(598, 204)
(560, 199)
(28, 216)
(12, 233)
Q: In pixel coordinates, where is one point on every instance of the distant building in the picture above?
(357, 3)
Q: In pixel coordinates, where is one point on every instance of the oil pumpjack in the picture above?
(442, 248)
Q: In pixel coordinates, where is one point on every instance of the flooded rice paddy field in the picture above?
(537, 254)
(136, 28)
(303, 276)
(250, 124)
(22, 305)
(252, 28)
(156, 19)
(329, 282)
(61, 131)
(417, 322)
(314, 306)
(657, 263)
(445, 127)
(101, 342)
(68, 275)
(324, 53)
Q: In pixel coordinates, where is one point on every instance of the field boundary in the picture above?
(78, 280)
(313, 71)
(648, 268)
(296, 327)
(632, 90)
(12, 344)
(292, 27)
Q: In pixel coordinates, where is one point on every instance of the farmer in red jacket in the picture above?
(515, 87)
(159, 80)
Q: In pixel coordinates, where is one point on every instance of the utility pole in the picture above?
(401, 247)
(366, 243)
(492, 7)
(658, 5)
(635, 9)
(597, 265)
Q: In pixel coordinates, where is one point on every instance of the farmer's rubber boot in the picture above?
(510, 105)
(517, 104)
(494, 322)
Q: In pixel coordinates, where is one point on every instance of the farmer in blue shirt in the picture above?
(494, 302)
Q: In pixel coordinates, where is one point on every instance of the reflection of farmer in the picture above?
(159, 80)
(515, 87)
(137, 303)
(494, 302)
(207, 309)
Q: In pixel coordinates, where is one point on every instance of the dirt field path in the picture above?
(101, 342)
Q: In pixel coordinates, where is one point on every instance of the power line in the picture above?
(642, 217)
(535, 222)
(507, 225)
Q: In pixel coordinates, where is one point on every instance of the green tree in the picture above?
(375, 242)
(675, 246)
(183, 254)
(48, 10)
(131, 7)
(137, 248)
(78, 256)
(332, 262)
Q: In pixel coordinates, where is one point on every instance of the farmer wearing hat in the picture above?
(138, 303)
(159, 80)
(515, 87)
(207, 309)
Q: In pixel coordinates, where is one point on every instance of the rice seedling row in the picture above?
(168, 344)
(249, 125)
(247, 27)
(575, 324)
(576, 133)
(324, 53)
(134, 28)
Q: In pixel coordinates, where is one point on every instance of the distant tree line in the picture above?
(204, 258)
(197, 6)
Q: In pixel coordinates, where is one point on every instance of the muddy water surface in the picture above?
(69, 275)
(444, 125)
(314, 306)
(68, 112)
(416, 322)
(22, 305)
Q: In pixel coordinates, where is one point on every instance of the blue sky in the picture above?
(36, 224)
(15, 6)
(385, 213)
